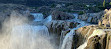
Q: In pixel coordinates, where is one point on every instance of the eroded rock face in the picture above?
(60, 28)
(96, 42)
(106, 20)
(57, 26)
(58, 15)
(94, 36)
(91, 17)
(95, 39)
(83, 33)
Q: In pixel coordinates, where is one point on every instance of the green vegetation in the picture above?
(110, 3)
(104, 3)
(81, 12)
(53, 5)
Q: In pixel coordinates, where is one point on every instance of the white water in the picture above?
(67, 42)
(48, 19)
(25, 36)
(38, 16)
(30, 37)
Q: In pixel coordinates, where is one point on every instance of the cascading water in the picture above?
(68, 39)
(30, 37)
(48, 19)
(38, 16)
(25, 36)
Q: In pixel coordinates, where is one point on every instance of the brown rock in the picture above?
(97, 42)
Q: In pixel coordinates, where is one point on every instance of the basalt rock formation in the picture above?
(57, 26)
(58, 15)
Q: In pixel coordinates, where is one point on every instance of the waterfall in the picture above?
(27, 37)
(21, 35)
(68, 39)
(47, 20)
(37, 16)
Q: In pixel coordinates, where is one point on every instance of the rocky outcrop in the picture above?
(58, 15)
(60, 28)
(106, 20)
(57, 26)
(95, 36)
(96, 42)
(95, 39)
(45, 10)
(83, 33)
(91, 17)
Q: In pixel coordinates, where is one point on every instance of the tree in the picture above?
(104, 3)
(110, 3)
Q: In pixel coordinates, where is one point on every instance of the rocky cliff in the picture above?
(95, 36)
